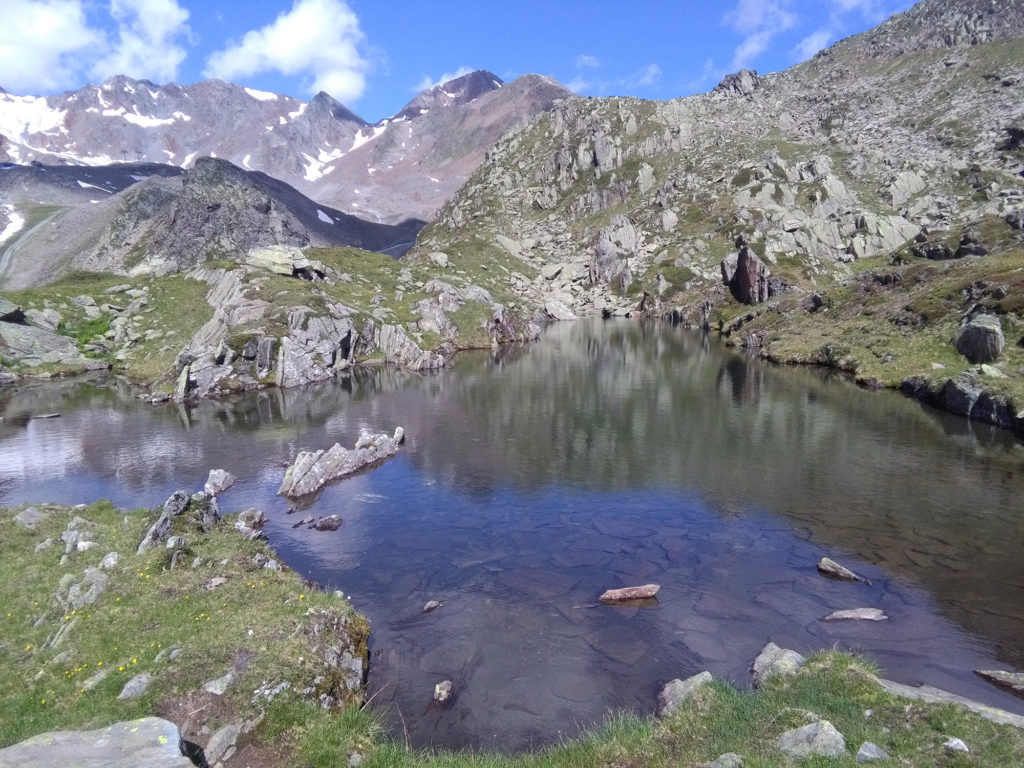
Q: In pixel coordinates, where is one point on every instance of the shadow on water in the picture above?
(607, 455)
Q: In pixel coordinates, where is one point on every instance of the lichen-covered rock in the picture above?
(677, 691)
(773, 660)
(151, 741)
(820, 738)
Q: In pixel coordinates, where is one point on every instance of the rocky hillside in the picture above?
(402, 167)
(163, 221)
(860, 210)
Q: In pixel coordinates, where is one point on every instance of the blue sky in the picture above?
(374, 55)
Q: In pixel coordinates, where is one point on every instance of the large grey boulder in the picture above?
(749, 283)
(152, 742)
(820, 738)
(981, 340)
(202, 510)
(312, 470)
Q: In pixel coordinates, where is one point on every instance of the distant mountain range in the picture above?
(402, 167)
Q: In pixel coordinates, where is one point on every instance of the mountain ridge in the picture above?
(320, 147)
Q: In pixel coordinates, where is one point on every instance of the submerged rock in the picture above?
(859, 614)
(312, 470)
(627, 594)
(1013, 681)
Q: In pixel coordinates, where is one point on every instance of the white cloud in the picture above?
(759, 21)
(44, 44)
(586, 61)
(649, 75)
(146, 44)
(427, 81)
(813, 43)
(318, 39)
(578, 85)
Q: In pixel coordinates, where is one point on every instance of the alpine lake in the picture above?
(607, 454)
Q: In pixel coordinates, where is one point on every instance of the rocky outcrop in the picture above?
(312, 470)
(197, 511)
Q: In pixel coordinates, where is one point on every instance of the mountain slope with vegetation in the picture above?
(858, 210)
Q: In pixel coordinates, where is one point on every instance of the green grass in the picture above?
(254, 623)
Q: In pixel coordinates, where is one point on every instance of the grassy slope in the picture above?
(253, 622)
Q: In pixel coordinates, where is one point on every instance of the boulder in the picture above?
(328, 523)
(556, 310)
(33, 347)
(443, 691)
(218, 481)
(981, 339)
(312, 470)
(742, 83)
(202, 510)
(869, 752)
(135, 687)
(151, 741)
(11, 312)
(728, 760)
(820, 738)
(750, 283)
(678, 691)
(773, 660)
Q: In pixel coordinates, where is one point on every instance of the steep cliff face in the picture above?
(879, 157)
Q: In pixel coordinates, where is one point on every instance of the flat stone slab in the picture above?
(931, 695)
(857, 614)
(151, 741)
(627, 594)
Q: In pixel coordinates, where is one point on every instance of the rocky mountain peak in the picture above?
(461, 90)
(323, 104)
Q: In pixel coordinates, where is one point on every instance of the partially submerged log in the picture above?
(830, 567)
(312, 470)
(627, 594)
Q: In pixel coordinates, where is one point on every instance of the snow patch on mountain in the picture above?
(20, 115)
(324, 217)
(261, 95)
(14, 224)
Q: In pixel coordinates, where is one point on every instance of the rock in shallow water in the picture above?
(312, 470)
(857, 614)
(830, 567)
(626, 594)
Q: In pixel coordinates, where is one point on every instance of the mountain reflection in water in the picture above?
(606, 455)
